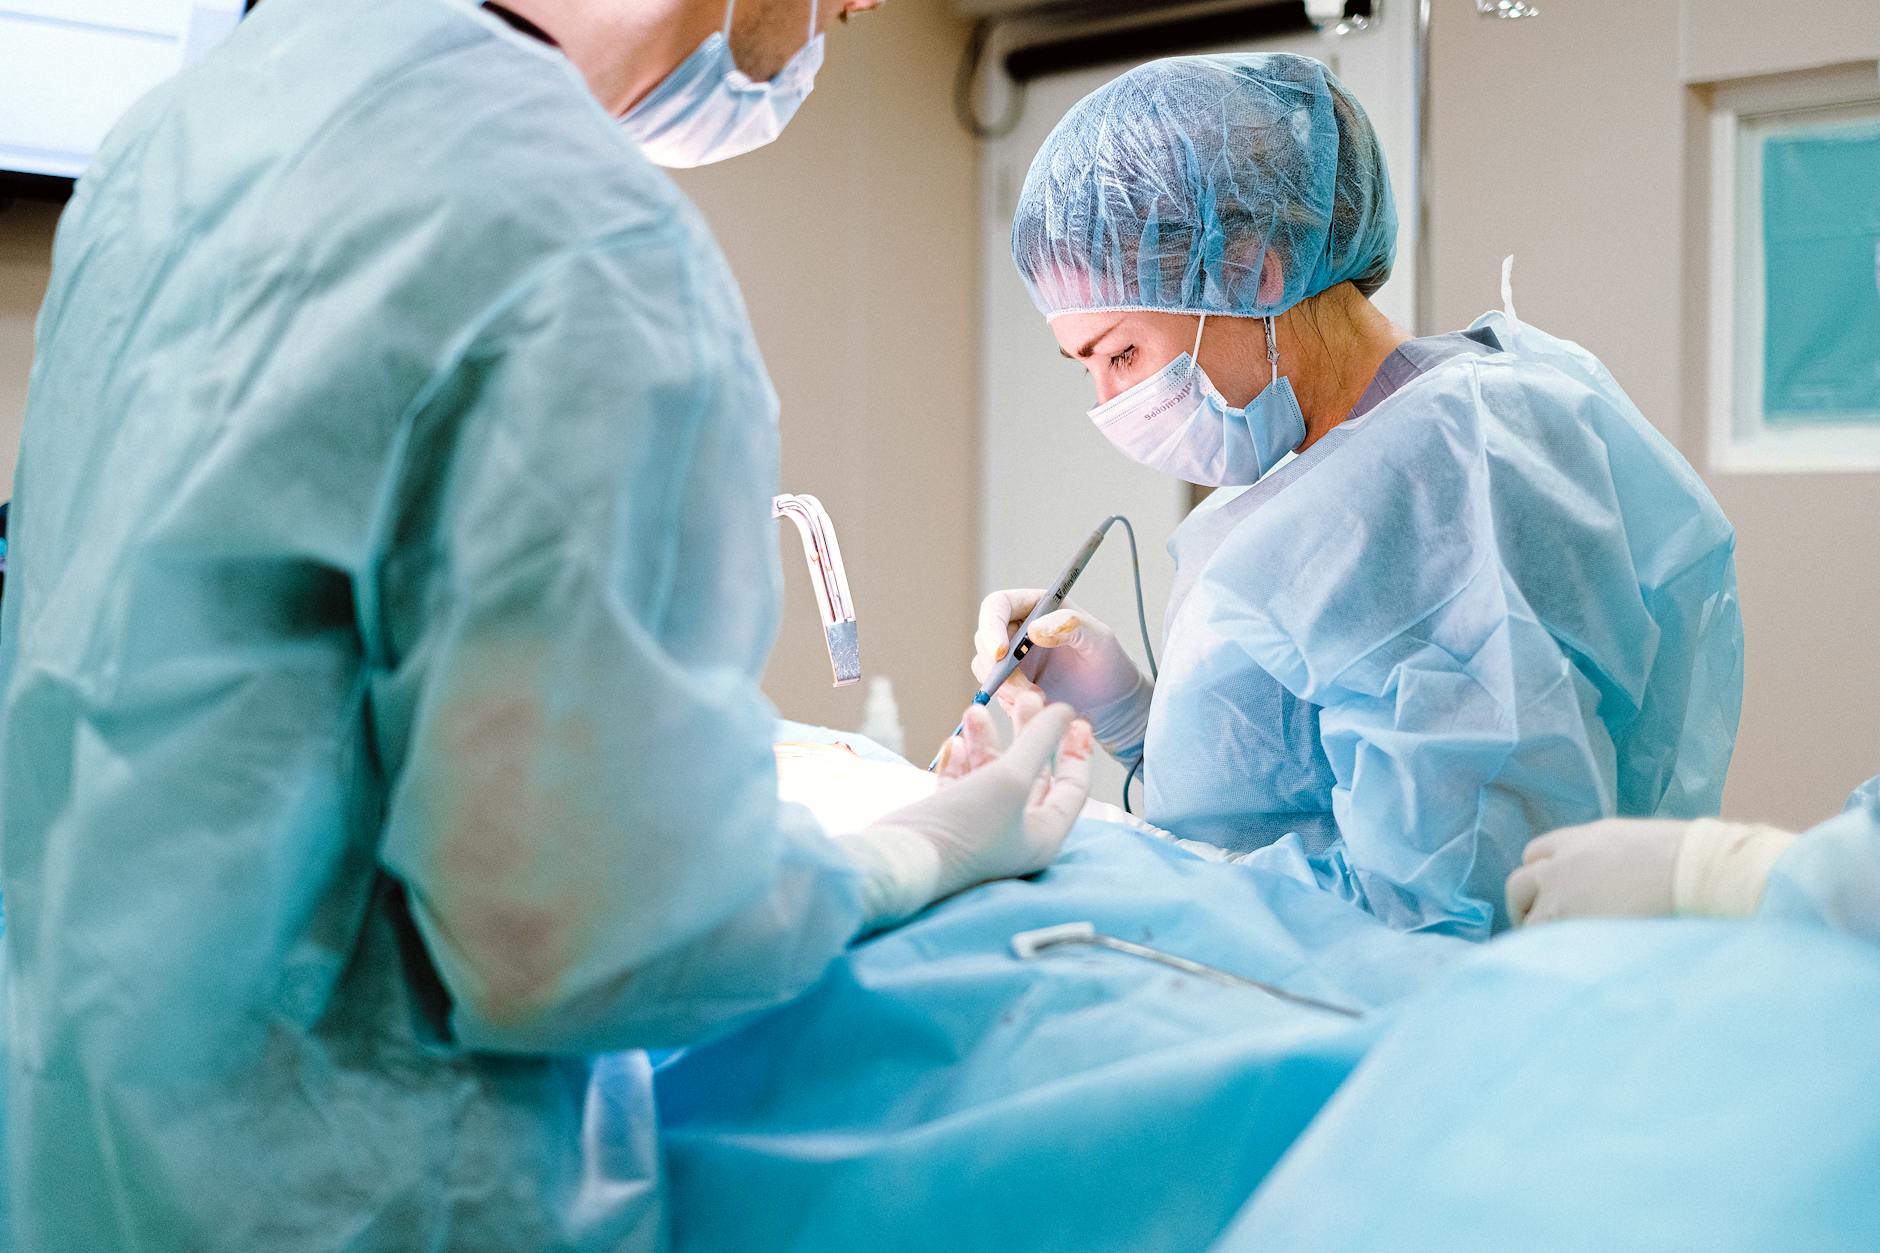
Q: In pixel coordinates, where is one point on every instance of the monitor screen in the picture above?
(70, 68)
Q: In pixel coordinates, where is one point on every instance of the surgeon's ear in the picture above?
(1272, 280)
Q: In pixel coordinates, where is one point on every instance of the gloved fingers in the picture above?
(989, 649)
(945, 761)
(1546, 908)
(981, 739)
(1565, 838)
(1059, 794)
(1022, 708)
(1062, 628)
(1542, 847)
(1035, 744)
(1015, 692)
(971, 747)
(999, 616)
(1012, 693)
(1524, 886)
(982, 666)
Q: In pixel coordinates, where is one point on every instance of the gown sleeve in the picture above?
(1831, 875)
(584, 809)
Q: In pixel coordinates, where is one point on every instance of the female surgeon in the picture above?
(1485, 599)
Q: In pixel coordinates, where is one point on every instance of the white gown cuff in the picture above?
(1122, 725)
(901, 873)
(1722, 867)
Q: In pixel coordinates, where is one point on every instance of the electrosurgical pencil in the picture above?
(1020, 645)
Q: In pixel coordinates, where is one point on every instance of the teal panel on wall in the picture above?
(1821, 250)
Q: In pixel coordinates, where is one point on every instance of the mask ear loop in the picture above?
(1272, 349)
(1194, 354)
(811, 37)
(730, 8)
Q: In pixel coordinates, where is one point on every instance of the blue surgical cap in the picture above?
(1174, 186)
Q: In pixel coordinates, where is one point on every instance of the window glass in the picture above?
(70, 68)
(1821, 274)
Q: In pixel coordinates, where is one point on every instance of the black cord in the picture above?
(966, 76)
(1142, 621)
(1127, 780)
(1142, 611)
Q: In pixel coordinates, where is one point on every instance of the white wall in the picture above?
(853, 237)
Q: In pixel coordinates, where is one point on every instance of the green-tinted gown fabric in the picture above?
(380, 735)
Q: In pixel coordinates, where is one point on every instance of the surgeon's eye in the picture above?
(1123, 359)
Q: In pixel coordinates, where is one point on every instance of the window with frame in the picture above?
(1795, 369)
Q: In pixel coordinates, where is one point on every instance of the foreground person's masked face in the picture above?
(709, 110)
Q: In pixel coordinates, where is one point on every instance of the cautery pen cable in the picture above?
(1020, 644)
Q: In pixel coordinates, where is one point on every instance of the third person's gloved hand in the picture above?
(999, 813)
(1617, 868)
(1075, 659)
(1644, 868)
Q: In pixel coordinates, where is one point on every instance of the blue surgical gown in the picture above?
(1831, 875)
(1494, 603)
(379, 736)
(1620, 1086)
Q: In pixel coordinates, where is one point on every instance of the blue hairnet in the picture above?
(1168, 187)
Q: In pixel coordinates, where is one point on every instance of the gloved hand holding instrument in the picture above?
(1064, 655)
(1032, 640)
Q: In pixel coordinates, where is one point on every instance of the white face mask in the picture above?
(1174, 421)
(708, 109)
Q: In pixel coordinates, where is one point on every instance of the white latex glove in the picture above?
(1615, 868)
(999, 813)
(1644, 867)
(1075, 659)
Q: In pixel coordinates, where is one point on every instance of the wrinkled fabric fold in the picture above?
(937, 1092)
(1625, 1086)
(1830, 876)
(1496, 604)
(380, 731)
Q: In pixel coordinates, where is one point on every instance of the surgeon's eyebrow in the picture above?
(1090, 347)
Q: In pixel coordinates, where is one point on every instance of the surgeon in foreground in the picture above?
(1485, 599)
(394, 565)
